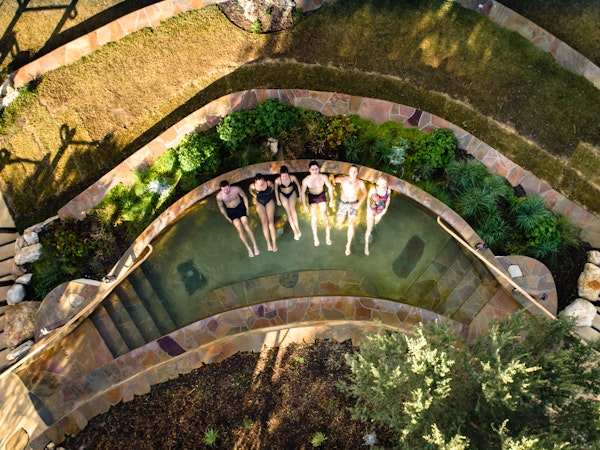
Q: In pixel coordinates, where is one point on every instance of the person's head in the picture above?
(353, 171)
(313, 167)
(224, 186)
(258, 177)
(284, 169)
(382, 182)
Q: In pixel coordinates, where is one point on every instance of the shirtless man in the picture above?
(349, 202)
(233, 204)
(317, 199)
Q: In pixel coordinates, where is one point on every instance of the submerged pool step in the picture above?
(137, 310)
(438, 278)
(476, 301)
(152, 301)
(109, 332)
(123, 321)
(462, 290)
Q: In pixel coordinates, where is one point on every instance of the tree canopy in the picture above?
(528, 383)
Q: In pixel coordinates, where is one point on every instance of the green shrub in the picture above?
(527, 375)
(338, 130)
(237, 128)
(475, 203)
(432, 152)
(493, 230)
(200, 153)
(529, 211)
(256, 27)
(167, 162)
(211, 436)
(275, 119)
(318, 439)
(465, 174)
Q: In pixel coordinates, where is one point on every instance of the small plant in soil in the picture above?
(211, 436)
(318, 439)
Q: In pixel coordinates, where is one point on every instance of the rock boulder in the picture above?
(589, 283)
(20, 323)
(583, 311)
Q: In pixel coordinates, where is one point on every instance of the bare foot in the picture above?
(274, 247)
(269, 248)
(328, 240)
(250, 254)
(317, 242)
(366, 251)
(297, 236)
(256, 251)
(348, 250)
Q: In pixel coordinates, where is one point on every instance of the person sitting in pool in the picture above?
(349, 202)
(314, 183)
(379, 201)
(263, 192)
(286, 193)
(233, 204)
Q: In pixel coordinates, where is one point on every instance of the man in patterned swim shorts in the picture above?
(349, 203)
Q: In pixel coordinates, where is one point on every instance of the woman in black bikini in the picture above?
(262, 190)
(287, 186)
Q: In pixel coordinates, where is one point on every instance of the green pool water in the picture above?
(202, 252)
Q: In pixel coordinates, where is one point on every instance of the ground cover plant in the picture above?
(507, 222)
(92, 114)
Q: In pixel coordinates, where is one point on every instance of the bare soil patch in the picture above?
(277, 399)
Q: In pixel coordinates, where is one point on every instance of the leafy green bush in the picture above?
(237, 127)
(200, 153)
(432, 152)
(275, 119)
(72, 249)
(526, 379)
(338, 130)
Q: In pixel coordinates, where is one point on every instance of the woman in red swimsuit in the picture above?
(379, 201)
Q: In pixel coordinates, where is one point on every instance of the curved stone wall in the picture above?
(330, 103)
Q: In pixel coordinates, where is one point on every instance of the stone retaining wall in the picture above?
(330, 103)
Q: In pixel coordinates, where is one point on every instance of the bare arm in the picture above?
(330, 191)
(303, 195)
(277, 183)
(387, 203)
(252, 193)
(221, 206)
(363, 189)
(244, 197)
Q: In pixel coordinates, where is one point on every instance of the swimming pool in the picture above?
(201, 252)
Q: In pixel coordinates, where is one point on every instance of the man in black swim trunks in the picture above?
(233, 204)
(317, 200)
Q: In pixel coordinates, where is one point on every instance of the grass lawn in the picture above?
(433, 55)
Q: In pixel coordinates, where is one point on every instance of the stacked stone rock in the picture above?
(21, 315)
(586, 309)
